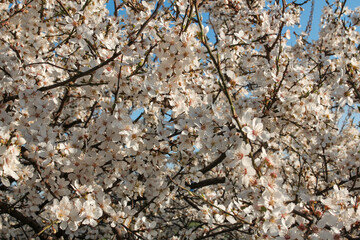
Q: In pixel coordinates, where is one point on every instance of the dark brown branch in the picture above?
(21, 10)
(117, 87)
(62, 105)
(91, 114)
(145, 206)
(51, 64)
(92, 70)
(207, 182)
(71, 124)
(7, 98)
(191, 203)
(117, 231)
(232, 228)
(353, 178)
(303, 215)
(6, 208)
(309, 24)
(269, 49)
(81, 74)
(71, 79)
(214, 163)
(5, 71)
(153, 15)
(132, 232)
(64, 9)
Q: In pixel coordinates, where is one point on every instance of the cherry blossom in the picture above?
(255, 130)
(178, 119)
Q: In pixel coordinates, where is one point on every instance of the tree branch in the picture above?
(214, 163)
(207, 182)
(6, 208)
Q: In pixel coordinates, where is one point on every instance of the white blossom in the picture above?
(178, 119)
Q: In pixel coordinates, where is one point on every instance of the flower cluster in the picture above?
(178, 119)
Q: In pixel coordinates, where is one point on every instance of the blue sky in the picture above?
(319, 4)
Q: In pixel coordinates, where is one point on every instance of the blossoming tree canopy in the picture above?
(135, 125)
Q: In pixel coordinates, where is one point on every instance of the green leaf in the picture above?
(263, 209)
